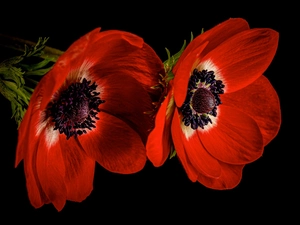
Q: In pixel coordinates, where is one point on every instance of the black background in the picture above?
(267, 189)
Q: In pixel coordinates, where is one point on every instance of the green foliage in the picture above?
(20, 74)
(172, 60)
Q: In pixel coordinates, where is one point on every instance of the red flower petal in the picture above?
(126, 99)
(180, 149)
(183, 73)
(35, 192)
(23, 132)
(260, 101)
(25, 128)
(114, 52)
(235, 139)
(114, 145)
(126, 53)
(53, 176)
(50, 170)
(27, 150)
(79, 175)
(244, 57)
(215, 36)
(70, 61)
(201, 160)
(230, 177)
(159, 141)
(80, 45)
(74, 56)
(50, 83)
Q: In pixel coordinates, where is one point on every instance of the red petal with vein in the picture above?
(159, 141)
(25, 126)
(230, 177)
(80, 45)
(215, 36)
(70, 60)
(23, 139)
(244, 57)
(201, 160)
(183, 73)
(36, 194)
(180, 149)
(78, 49)
(114, 145)
(260, 101)
(51, 169)
(126, 53)
(235, 139)
(126, 99)
(52, 81)
(26, 150)
(28, 147)
(79, 175)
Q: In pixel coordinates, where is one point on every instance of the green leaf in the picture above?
(19, 75)
(37, 49)
(6, 92)
(18, 112)
(10, 72)
(21, 94)
(40, 72)
(36, 66)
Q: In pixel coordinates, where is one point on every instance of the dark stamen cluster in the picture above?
(76, 109)
(191, 115)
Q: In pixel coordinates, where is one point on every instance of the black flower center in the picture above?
(76, 109)
(202, 99)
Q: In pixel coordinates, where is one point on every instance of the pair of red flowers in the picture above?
(106, 100)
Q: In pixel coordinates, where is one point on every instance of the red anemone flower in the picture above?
(220, 110)
(90, 107)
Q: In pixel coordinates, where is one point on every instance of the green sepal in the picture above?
(172, 153)
(172, 60)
